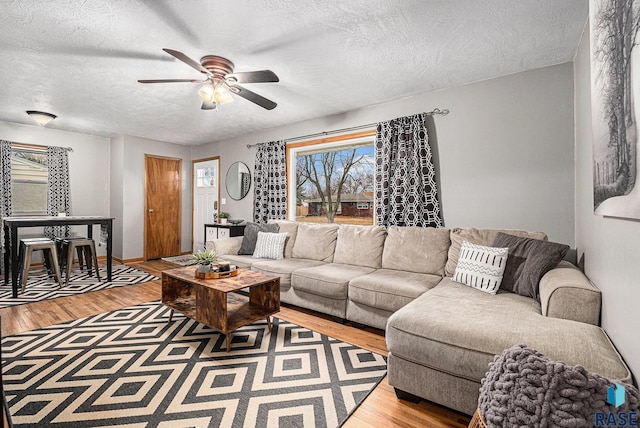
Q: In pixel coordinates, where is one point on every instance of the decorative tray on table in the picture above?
(217, 275)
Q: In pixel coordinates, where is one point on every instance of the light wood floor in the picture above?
(381, 408)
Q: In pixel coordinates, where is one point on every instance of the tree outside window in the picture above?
(334, 184)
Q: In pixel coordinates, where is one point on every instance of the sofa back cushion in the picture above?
(316, 241)
(360, 245)
(479, 237)
(291, 229)
(416, 249)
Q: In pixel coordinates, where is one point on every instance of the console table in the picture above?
(12, 224)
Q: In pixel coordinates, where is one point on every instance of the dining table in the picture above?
(11, 226)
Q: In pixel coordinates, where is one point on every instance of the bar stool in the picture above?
(89, 248)
(50, 255)
(62, 247)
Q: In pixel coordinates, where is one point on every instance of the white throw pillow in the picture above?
(481, 267)
(270, 246)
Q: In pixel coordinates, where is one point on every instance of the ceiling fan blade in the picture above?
(182, 57)
(253, 97)
(208, 106)
(170, 81)
(260, 76)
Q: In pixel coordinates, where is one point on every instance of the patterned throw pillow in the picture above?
(481, 267)
(251, 230)
(270, 245)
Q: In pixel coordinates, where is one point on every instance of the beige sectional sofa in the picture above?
(441, 335)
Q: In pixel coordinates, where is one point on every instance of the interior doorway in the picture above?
(206, 194)
(163, 206)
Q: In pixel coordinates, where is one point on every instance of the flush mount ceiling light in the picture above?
(41, 117)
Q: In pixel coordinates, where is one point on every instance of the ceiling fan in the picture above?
(221, 81)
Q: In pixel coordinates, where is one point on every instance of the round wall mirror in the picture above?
(238, 180)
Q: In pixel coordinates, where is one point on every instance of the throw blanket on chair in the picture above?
(525, 388)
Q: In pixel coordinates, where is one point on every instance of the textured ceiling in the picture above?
(81, 59)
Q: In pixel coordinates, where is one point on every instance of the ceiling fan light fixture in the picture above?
(222, 93)
(41, 117)
(206, 92)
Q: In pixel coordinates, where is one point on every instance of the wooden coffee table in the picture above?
(216, 303)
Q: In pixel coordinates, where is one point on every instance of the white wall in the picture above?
(132, 179)
(505, 151)
(88, 171)
(610, 246)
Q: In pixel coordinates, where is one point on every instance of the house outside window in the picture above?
(29, 181)
(333, 180)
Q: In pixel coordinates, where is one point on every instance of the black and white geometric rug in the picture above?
(131, 367)
(41, 287)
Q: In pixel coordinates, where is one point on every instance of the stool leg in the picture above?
(46, 263)
(70, 250)
(81, 259)
(56, 266)
(21, 250)
(92, 248)
(25, 267)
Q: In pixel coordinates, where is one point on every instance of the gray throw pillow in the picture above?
(529, 259)
(251, 236)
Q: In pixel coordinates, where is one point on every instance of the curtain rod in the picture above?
(35, 147)
(443, 112)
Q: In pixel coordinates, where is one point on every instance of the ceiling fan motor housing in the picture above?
(217, 65)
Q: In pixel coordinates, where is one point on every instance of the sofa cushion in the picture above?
(416, 249)
(283, 268)
(480, 237)
(291, 229)
(360, 245)
(529, 259)
(458, 330)
(315, 241)
(481, 267)
(251, 236)
(270, 246)
(389, 289)
(331, 280)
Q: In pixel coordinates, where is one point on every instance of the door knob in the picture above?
(150, 211)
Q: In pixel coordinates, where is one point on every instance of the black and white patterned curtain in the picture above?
(406, 192)
(270, 182)
(5, 189)
(58, 194)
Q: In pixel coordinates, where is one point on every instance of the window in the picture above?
(206, 177)
(333, 179)
(29, 178)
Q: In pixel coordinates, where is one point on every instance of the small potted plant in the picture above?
(223, 217)
(204, 259)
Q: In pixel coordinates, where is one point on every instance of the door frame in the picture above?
(146, 208)
(193, 194)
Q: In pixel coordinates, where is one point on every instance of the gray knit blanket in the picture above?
(523, 388)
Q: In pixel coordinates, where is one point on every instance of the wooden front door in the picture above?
(163, 206)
